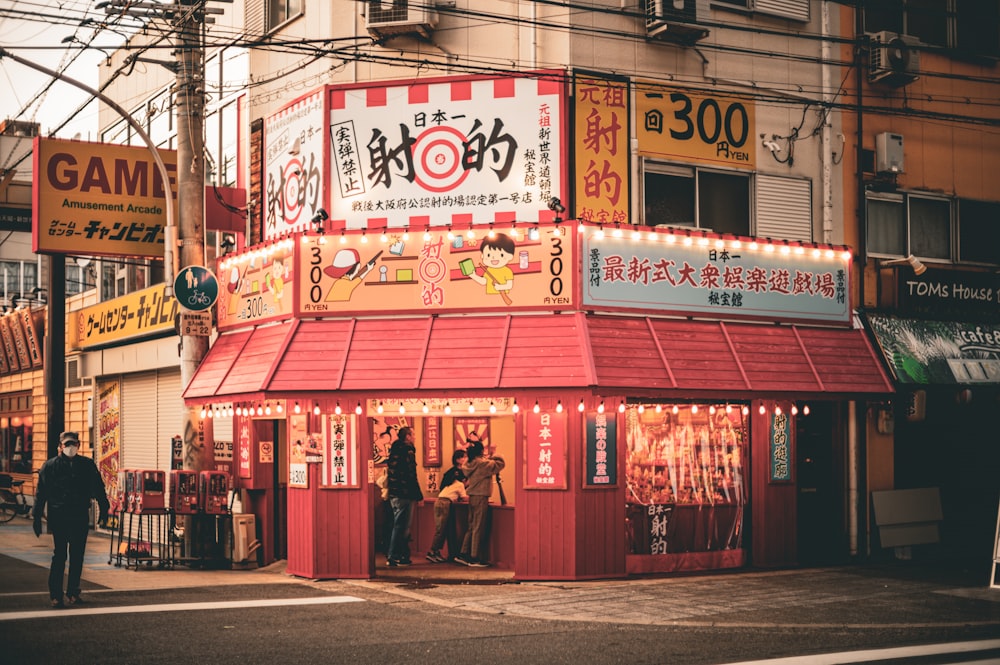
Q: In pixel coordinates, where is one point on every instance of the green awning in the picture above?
(923, 352)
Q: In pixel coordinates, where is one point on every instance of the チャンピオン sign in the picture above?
(95, 199)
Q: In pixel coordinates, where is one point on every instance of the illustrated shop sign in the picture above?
(450, 151)
(703, 277)
(294, 154)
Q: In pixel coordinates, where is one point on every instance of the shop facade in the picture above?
(635, 441)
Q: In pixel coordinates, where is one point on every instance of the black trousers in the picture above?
(68, 535)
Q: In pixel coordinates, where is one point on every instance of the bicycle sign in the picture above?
(196, 288)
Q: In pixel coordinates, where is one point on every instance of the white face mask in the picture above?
(69, 451)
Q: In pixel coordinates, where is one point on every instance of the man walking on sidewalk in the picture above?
(66, 484)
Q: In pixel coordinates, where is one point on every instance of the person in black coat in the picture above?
(404, 490)
(66, 484)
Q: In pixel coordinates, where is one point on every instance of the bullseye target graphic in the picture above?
(437, 159)
(431, 271)
(290, 193)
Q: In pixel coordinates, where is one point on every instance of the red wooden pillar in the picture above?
(570, 533)
(330, 531)
(773, 496)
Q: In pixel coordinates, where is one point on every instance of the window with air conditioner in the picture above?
(282, 11)
(972, 26)
(678, 195)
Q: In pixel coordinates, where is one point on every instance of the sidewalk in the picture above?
(895, 594)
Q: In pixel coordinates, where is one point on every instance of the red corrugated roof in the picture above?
(540, 351)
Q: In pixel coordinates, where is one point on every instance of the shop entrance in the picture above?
(819, 473)
(436, 439)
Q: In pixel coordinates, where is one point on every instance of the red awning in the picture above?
(629, 354)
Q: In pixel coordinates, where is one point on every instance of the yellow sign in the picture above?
(602, 150)
(695, 125)
(437, 270)
(257, 286)
(99, 199)
(138, 314)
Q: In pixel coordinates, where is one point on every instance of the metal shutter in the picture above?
(253, 18)
(169, 414)
(796, 10)
(784, 208)
(138, 418)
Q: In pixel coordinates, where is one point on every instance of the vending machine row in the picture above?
(146, 523)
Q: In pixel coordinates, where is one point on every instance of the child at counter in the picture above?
(453, 489)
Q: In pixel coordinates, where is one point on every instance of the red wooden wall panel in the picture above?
(216, 364)
(773, 505)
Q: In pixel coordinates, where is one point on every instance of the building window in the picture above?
(17, 279)
(978, 231)
(937, 228)
(280, 11)
(716, 201)
(16, 426)
(969, 25)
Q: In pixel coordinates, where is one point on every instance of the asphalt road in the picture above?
(269, 617)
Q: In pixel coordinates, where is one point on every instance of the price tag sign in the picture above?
(196, 324)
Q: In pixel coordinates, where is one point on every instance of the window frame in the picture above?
(905, 199)
(288, 13)
(654, 167)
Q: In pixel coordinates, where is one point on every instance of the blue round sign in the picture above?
(196, 288)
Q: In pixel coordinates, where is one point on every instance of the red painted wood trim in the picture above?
(282, 348)
(659, 350)
(232, 365)
(736, 357)
(423, 354)
(347, 354)
(502, 352)
(809, 360)
(586, 347)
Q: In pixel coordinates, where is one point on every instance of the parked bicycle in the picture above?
(12, 499)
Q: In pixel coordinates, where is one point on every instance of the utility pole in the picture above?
(190, 100)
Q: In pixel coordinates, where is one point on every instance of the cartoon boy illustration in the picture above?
(348, 272)
(274, 279)
(492, 272)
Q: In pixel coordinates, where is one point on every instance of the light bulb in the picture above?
(493, 407)
(536, 408)
(425, 408)
(762, 410)
(316, 409)
(379, 408)
(337, 409)
(357, 409)
(805, 410)
(203, 413)
(600, 407)
(621, 407)
(559, 406)
(297, 409)
(580, 407)
(447, 408)
(402, 409)
(514, 408)
(472, 407)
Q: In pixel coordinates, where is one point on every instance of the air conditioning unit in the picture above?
(400, 17)
(676, 20)
(893, 59)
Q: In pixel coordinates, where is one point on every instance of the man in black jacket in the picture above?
(404, 491)
(66, 484)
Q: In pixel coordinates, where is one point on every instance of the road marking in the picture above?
(869, 655)
(175, 607)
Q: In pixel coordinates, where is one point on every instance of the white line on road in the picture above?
(175, 607)
(879, 654)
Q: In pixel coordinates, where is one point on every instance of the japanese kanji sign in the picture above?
(711, 277)
(447, 151)
(545, 450)
(340, 463)
(601, 454)
(602, 150)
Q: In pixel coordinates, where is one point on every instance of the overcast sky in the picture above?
(34, 30)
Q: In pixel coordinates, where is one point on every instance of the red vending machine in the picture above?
(149, 491)
(184, 492)
(213, 491)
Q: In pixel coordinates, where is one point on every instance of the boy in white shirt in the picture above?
(452, 490)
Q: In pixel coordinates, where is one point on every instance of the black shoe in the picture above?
(57, 603)
(74, 600)
(478, 563)
(404, 562)
(463, 559)
(392, 563)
